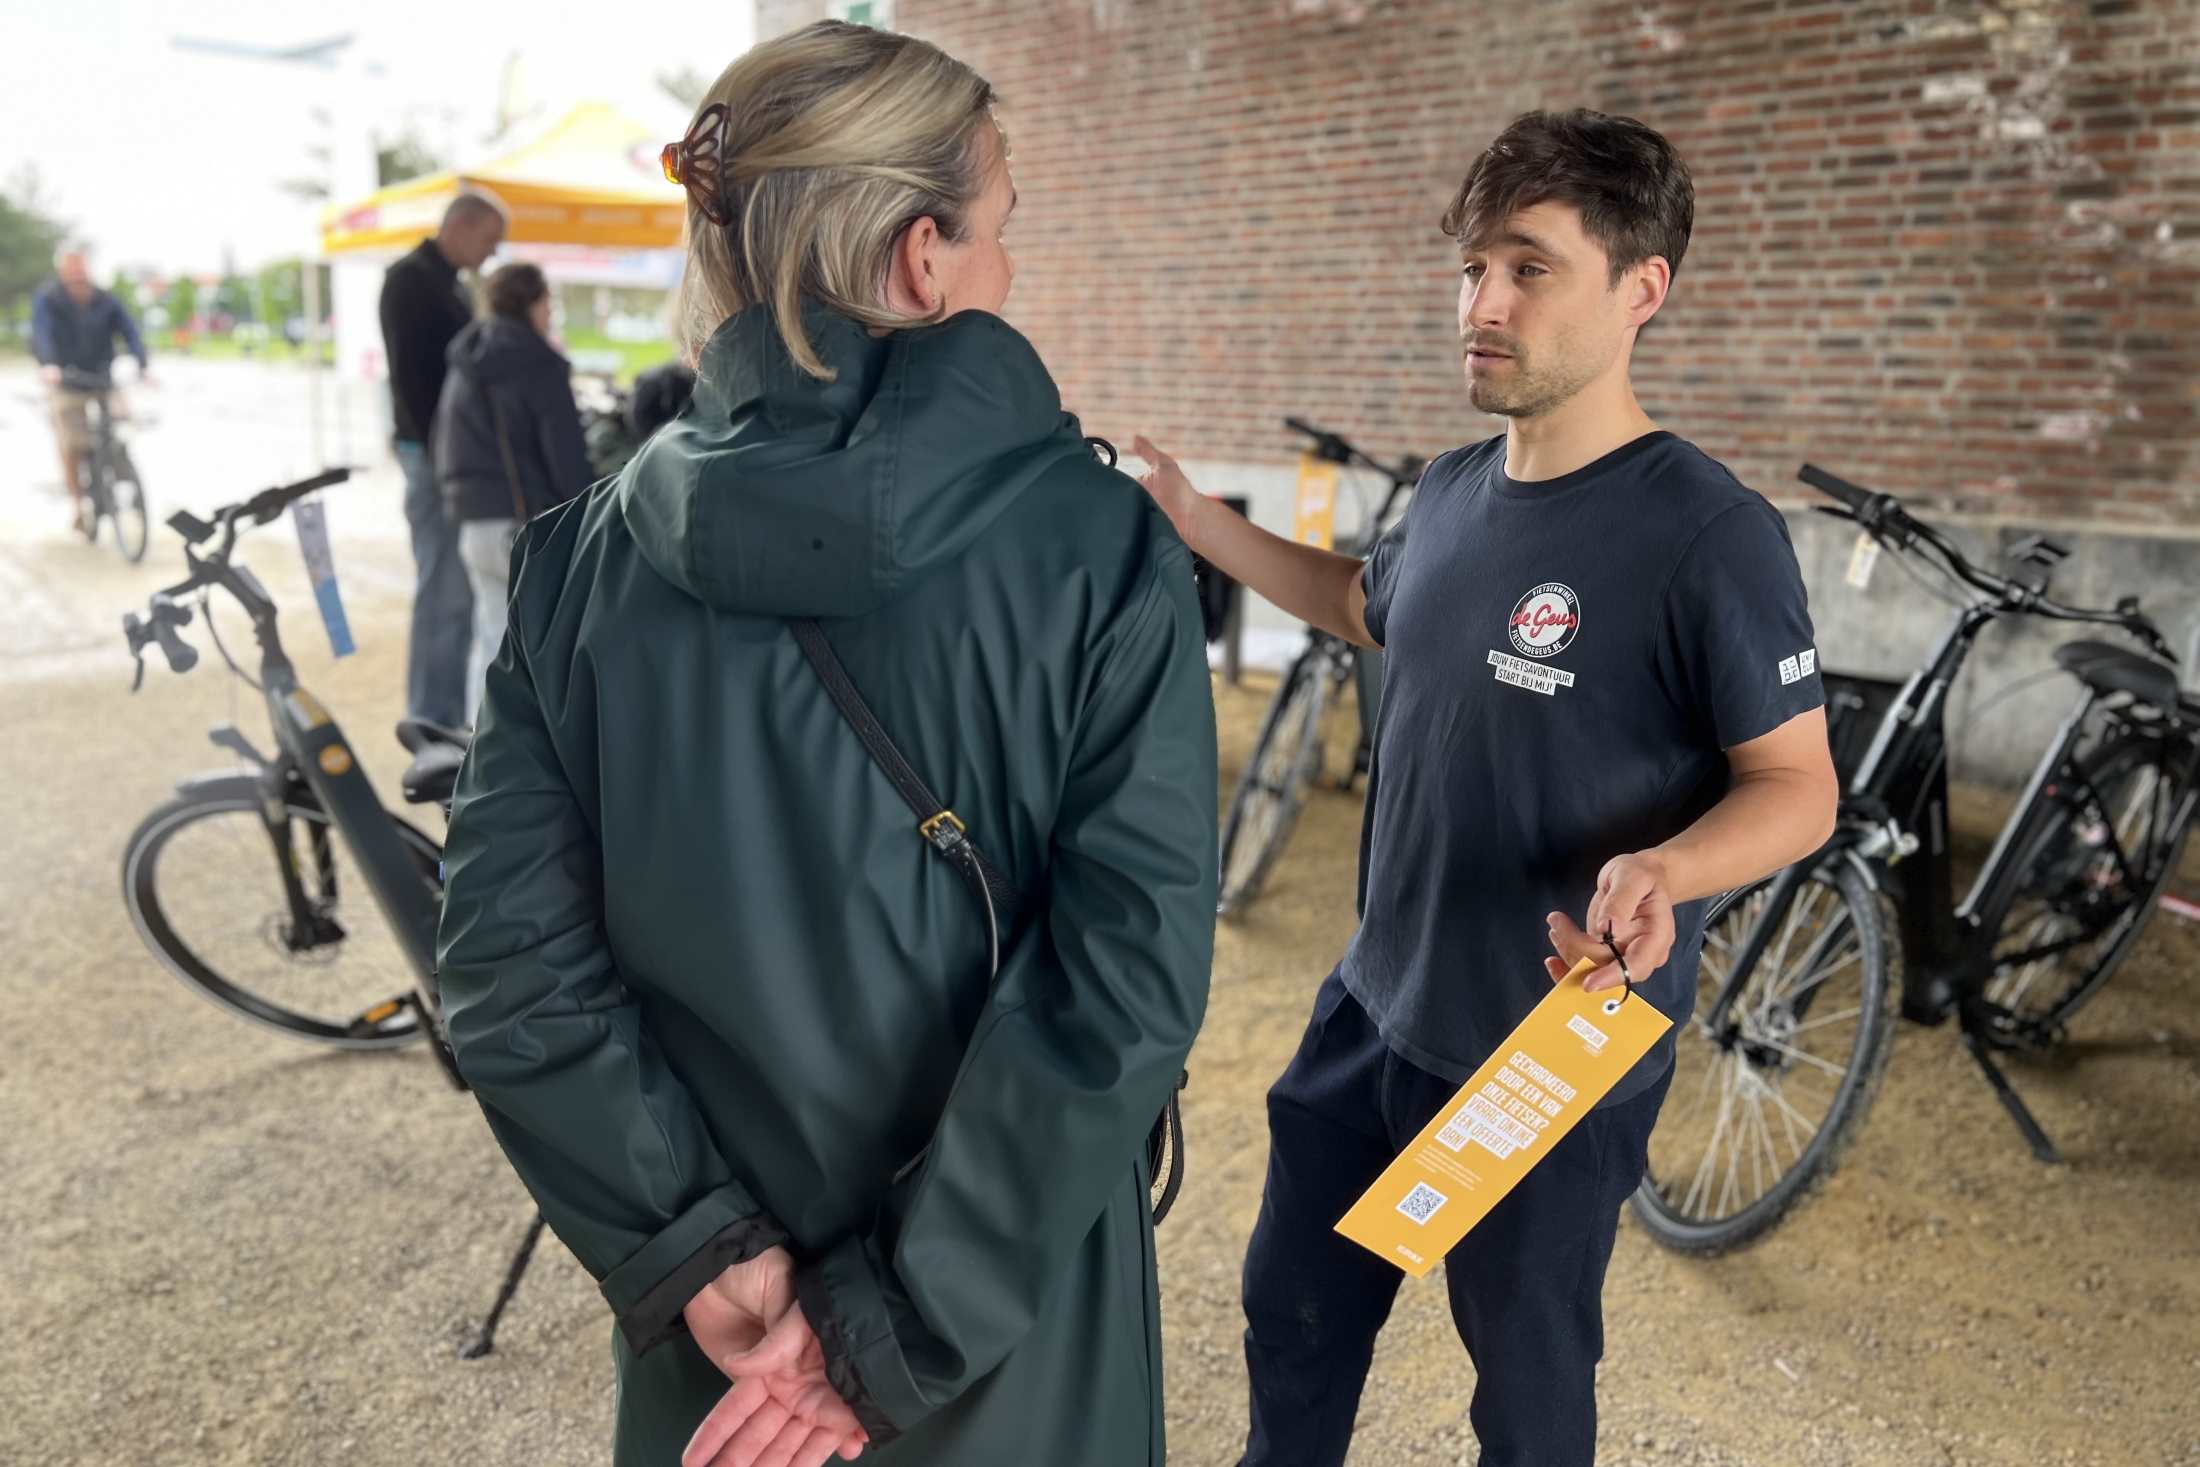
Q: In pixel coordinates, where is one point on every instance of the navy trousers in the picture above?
(1526, 1285)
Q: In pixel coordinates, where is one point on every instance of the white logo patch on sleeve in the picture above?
(1810, 661)
(1791, 670)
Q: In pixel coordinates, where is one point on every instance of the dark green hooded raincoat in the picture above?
(713, 990)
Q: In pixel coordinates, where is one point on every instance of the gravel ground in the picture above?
(224, 1247)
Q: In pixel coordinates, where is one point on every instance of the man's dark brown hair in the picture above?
(514, 289)
(1631, 189)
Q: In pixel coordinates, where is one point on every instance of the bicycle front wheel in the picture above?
(126, 506)
(1265, 804)
(1763, 1101)
(203, 879)
(2087, 879)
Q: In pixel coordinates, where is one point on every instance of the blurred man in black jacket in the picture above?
(423, 307)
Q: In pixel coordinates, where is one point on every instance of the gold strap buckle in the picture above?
(932, 829)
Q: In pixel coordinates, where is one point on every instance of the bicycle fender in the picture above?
(216, 783)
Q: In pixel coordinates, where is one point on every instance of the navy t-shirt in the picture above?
(1565, 664)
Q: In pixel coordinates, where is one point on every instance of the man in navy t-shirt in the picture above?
(1601, 707)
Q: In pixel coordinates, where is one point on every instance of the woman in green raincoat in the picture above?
(731, 1018)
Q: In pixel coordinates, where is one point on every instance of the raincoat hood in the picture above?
(495, 349)
(777, 494)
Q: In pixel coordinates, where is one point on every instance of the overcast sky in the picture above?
(166, 157)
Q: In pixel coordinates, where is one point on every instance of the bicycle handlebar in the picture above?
(1883, 518)
(1337, 449)
(1854, 496)
(165, 612)
(267, 505)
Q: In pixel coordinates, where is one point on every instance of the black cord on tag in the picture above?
(1627, 979)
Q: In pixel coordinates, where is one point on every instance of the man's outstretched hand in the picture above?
(781, 1412)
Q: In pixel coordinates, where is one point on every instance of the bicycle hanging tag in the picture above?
(1566, 1056)
(1863, 559)
(1315, 520)
(311, 517)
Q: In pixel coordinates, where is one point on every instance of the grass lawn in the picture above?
(229, 349)
(587, 348)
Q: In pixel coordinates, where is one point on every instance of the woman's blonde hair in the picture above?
(838, 137)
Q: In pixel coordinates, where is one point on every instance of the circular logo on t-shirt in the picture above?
(1545, 620)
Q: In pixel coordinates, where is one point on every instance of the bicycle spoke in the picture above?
(1704, 1169)
(1797, 1054)
(1788, 930)
(1824, 1019)
(1855, 956)
(1764, 1134)
(1700, 1197)
(1793, 1117)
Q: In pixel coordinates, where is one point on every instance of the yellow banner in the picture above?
(1566, 1056)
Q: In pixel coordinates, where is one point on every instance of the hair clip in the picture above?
(696, 163)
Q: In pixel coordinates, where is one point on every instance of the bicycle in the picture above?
(111, 482)
(1778, 1066)
(281, 811)
(295, 954)
(1288, 751)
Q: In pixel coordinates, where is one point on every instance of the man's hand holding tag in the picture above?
(1634, 902)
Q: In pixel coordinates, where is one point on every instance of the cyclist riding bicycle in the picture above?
(73, 329)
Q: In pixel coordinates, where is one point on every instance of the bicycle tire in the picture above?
(1678, 1223)
(125, 506)
(1272, 786)
(384, 971)
(2054, 854)
(91, 508)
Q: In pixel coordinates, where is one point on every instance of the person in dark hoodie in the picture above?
(731, 1016)
(508, 444)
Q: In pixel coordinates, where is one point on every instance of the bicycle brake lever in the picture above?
(138, 681)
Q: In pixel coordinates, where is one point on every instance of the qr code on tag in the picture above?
(1422, 1202)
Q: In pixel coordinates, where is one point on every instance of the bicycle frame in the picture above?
(311, 749)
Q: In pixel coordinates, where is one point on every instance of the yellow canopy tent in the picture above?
(591, 179)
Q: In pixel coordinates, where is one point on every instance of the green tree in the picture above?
(124, 291)
(275, 295)
(29, 235)
(280, 293)
(402, 157)
(182, 302)
(685, 86)
(233, 298)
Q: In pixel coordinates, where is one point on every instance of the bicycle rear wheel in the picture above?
(188, 878)
(2088, 877)
(1265, 804)
(1761, 1107)
(125, 505)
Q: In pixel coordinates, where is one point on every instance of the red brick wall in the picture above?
(1950, 249)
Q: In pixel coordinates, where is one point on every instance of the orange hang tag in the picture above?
(1551, 1071)
(1315, 520)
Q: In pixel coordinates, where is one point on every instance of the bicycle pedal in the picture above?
(381, 1014)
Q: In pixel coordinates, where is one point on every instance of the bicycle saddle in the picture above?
(437, 753)
(433, 775)
(2111, 669)
(419, 735)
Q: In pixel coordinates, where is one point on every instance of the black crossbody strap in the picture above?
(935, 822)
(995, 892)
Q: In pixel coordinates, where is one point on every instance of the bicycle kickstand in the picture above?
(487, 1340)
(2042, 1148)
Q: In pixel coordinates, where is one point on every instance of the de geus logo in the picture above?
(1545, 620)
